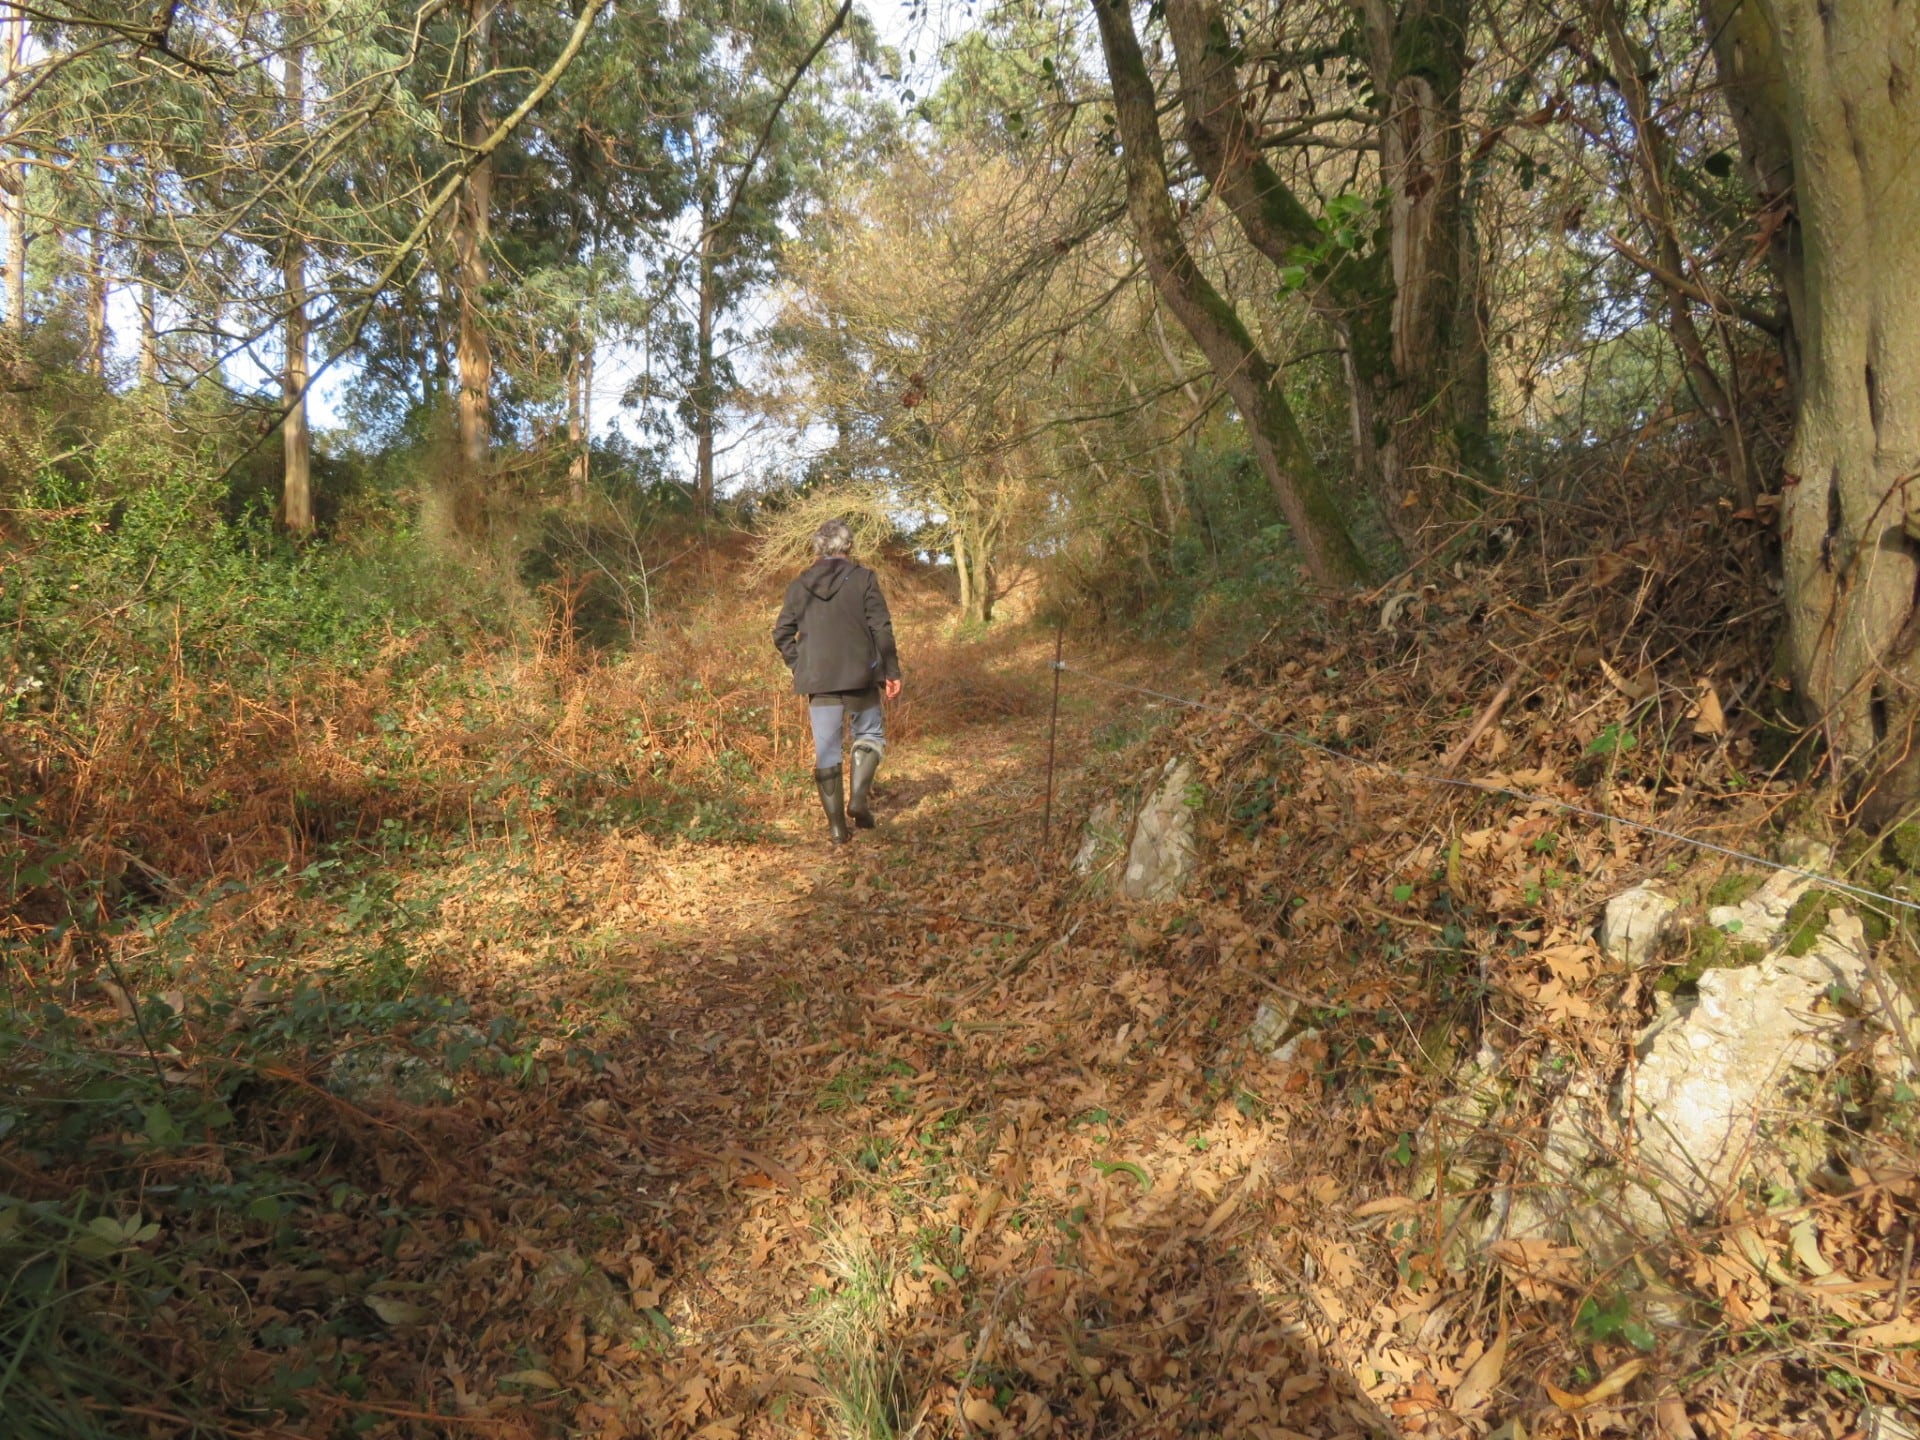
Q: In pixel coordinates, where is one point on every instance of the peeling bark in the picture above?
(296, 490)
(13, 179)
(472, 235)
(576, 417)
(146, 295)
(962, 569)
(1426, 428)
(1415, 353)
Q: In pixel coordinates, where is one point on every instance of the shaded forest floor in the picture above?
(749, 1136)
(921, 1135)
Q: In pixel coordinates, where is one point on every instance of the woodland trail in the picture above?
(902, 1138)
(747, 1135)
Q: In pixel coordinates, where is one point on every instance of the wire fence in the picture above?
(1486, 787)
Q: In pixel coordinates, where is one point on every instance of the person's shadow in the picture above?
(903, 794)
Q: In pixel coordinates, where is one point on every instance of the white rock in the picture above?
(1270, 1023)
(1761, 916)
(1103, 840)
(1633, 924)
(1877, 1422)
(1289, 1053)
(1710, 1072)
(1161, 858)
(1711, 1098)
(1460, 1147)
(1567, 1174)
(1701, 1104)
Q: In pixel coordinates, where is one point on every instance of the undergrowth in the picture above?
(846, 1331)
(928, 1136)
(265, 810)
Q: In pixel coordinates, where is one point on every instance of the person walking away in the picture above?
(836, 636)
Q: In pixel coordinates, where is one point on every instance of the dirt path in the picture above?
(908, 1137)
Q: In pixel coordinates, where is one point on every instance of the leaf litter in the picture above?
(932, 1136)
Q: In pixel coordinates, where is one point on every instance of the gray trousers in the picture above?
(829, 713)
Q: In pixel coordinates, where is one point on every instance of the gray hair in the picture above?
(833, 538)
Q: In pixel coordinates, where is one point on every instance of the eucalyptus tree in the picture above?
(296, 491)
(13, 170)
(472, 231)
(211, 162)
(645, 197)
(590, 176)
(597, 175)
(770, 112)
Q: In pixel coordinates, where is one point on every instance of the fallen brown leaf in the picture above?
(1903, 1331)
(1477, 1385)
(1610, 1385)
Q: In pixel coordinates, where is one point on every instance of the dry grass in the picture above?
(926, 1136)
(160, 783)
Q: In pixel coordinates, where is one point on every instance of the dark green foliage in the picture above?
(1903, 846)
(1732, 888)
(1710, 948)
(1807, 920)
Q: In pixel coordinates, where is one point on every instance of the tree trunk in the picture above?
(13, 178)
(146, 292)
(578, 362)
(586, 409)
(704, 396)
(972, 559)
(1753, 82)
(1426, 438)
(98, 336)
(1653, 163)
(1222, 142)
(842, 408)
(1472, 379)
(146, 301)
(1823, 96)
(962, 566)
(1415, 373)
(981, 553)
(296, 491)
(1328, 551)
(472, 233)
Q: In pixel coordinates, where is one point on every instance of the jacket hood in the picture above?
(824, 578)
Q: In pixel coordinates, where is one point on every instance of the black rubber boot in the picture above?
(866, 761)
(833, 800)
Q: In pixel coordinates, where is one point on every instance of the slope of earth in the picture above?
(860, 1141)
(933, 1136)
(930, 1134)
